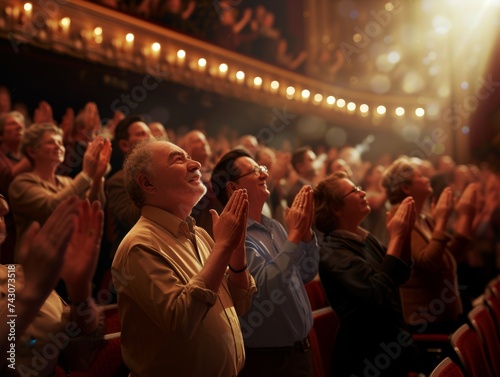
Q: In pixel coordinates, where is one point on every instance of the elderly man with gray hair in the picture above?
(179, 292)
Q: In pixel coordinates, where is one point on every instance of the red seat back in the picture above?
(322, 338)
(447, 368)
(468, 346)
(482, 321)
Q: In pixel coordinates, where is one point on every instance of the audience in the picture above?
(158, 131)
(183, 271)
(179, 314)
(376, 196)
(12, 163)
(197, 147)
(122, 212)
(34, 195)
(66, 247)
(277, 167)
(281, 264)
(228, 33)
(361, 277)
(434, 252)
(86, 126)
(303, 163)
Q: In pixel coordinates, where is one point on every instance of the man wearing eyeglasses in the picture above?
(276, 326)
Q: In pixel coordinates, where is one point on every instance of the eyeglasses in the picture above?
(257, 170)
(355, 189)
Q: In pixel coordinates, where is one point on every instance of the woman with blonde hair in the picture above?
(431, 298)
(34, 195)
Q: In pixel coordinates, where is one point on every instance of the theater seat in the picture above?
(108, 362)
(316, 294)
(467, 344)
(447, 368)
(322, 338)
(484, 324)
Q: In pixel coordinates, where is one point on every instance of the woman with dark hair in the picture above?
(362, 278)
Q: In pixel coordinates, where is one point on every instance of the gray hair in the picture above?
(34, 133)
(396, 176)
(138, 162)
(13, 114)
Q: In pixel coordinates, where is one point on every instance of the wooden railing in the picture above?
(97, 34)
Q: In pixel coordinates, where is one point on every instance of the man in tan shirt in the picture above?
(179, 292)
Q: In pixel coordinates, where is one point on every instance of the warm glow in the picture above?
(223, 68)
(202, 62)
(340, 102)
(306, 94)
(129, 37)
(351, 106)
(330, 100)
(389, 7)
(381, 110)
(156, 46)
(240, 75)
(318, 97)
(257, 81)
(181, 54)
(65, 21)
(400, 111)
(290, 91)
(275, 85)
(28, 7)
(419, 112)
(364, 108)
(98, 31)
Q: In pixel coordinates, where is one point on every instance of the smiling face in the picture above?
(49, 150)
(175, 180)
(254, 183)
(355, 206)
(13, 131)
(419, 188)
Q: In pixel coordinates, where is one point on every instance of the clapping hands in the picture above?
(299, 217)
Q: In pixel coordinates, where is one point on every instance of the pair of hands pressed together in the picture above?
(299, 217)
(400, 226)
(96, 158)
(401, 223)
(466, 206)
(230, 227)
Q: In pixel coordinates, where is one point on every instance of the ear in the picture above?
(143, 181)
(406, 189)
(231, 187)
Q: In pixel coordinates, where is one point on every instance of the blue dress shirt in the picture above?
(280, 314)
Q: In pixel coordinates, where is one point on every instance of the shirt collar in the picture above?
(169, 221)
(359, 236)
(266, 222)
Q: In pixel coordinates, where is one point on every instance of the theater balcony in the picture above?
(97, 35)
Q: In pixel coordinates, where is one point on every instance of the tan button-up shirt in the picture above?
(171, 323)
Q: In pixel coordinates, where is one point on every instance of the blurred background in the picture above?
(394, 77)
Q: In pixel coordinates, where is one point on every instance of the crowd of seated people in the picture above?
(454, 235)
(250, 31)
